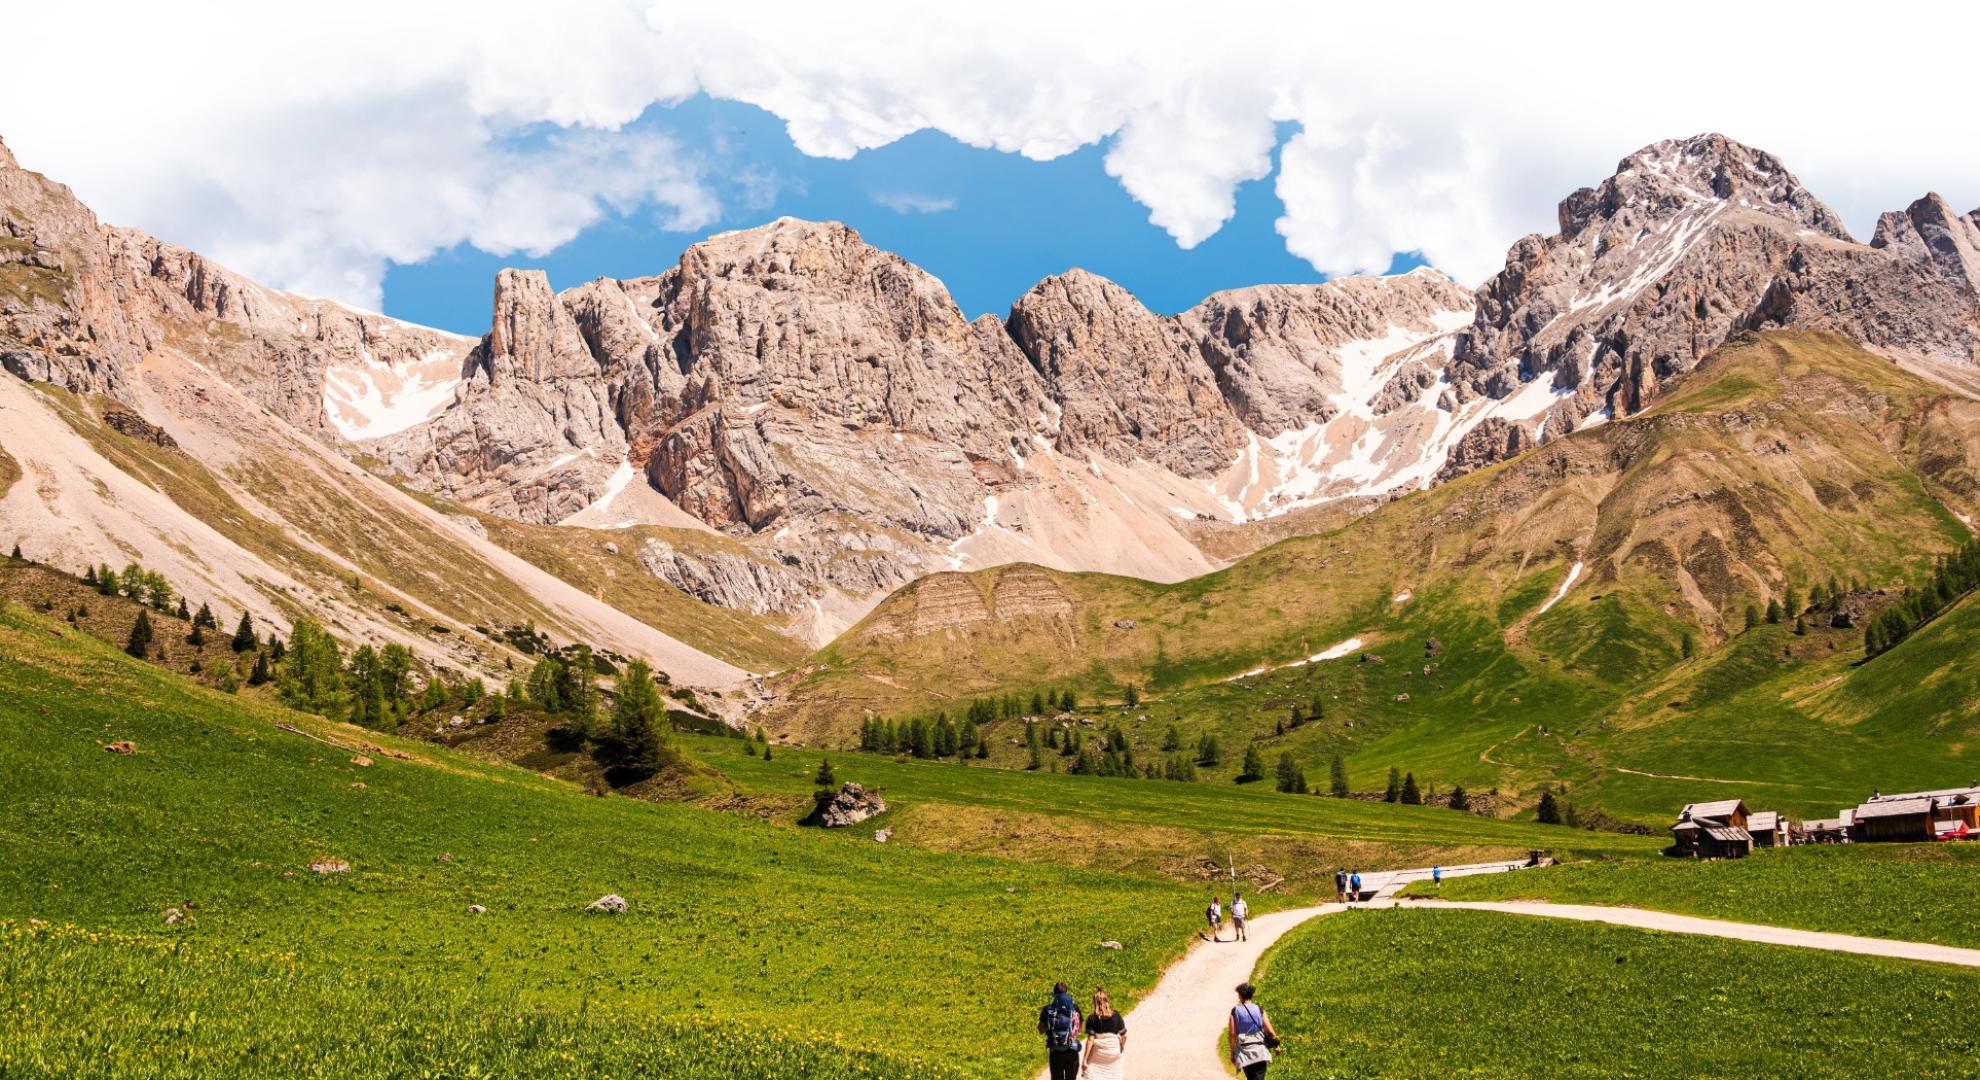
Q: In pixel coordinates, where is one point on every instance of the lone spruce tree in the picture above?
(1254, 765)
(1337, 782)
(244, 635)
(1393, 793)
(1549, 811)
(1411, 795)
(139, 643)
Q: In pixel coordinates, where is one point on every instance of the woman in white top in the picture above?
(1106, 1041)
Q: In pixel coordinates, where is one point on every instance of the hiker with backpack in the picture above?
(1215, 914)
(1239, 909)
(1059, 1021)
(1354, 886)
(1340, 884)
(1252, 1036)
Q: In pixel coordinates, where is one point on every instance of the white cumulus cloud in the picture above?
(308, 145)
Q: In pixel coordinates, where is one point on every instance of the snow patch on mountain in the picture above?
(370, 398)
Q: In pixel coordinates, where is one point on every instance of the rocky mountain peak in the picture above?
(1930, 231)
(1129, 383)
(7, 157)
(1676, 175)
(532, 336)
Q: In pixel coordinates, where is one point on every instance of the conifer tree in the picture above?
(1752, 616)
(1037, 703)
(183, 614)
(17, 556)
(1132, 696)
(244, 637)
(1549, 811)
(1031, 745)
(259, 676)
(1254, 765)
(1393, 793)
(89, 575)
(1773, 611)
(1288, 771)
(1337, 784)
(139, 643)
(311, 676)
(826, 777)
(1411, 795)
(204, 616)
(1208, 753)
(634, 745)
(1172, 741)
(197, 639)
(1458, 799)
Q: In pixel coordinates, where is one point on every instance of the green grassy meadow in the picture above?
(1415, 993)
(806, 954)
(1157, 827)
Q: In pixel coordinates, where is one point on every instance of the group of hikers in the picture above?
(1092, 1047)
(1215, 914)
(1347, 885)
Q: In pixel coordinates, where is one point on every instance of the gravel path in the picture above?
(1172, 1033)
(1720, 928)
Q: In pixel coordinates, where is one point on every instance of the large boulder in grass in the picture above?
(609, 904)
(849, 805)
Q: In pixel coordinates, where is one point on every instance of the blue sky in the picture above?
(989, 224)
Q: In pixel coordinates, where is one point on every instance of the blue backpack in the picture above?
(1061, 1026)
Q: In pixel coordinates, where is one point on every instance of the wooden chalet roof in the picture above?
(1763, 821)
(1724, 808)
(1890, 808)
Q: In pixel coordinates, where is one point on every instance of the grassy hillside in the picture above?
(752, 941)
(1782, 462)
(615, 575)
(1185, 832)
(1374, 993)
(1911, 892)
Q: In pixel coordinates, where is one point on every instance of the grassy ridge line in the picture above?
(1381, 993)
(1906, 892)
(733, 920)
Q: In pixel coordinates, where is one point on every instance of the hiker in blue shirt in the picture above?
(1252, 1037)
(1354, 885)
(1060, 1023)
(1437, 876)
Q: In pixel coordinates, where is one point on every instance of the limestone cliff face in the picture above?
(828, 403)
(82, 304)
(1929, 232)
(1127, 382)
(1276, 349)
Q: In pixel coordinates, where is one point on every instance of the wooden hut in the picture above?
(1712, 830)
(1917, 815)
(1769, 829)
